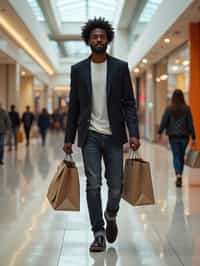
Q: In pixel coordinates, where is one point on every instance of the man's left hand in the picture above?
(134, 143)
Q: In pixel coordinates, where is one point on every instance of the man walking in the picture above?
(15, 123)
(27, 119)
(101, 105)
(43, 124)
(4, 126)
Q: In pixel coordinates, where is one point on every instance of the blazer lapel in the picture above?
(88, 76)
(109, 75)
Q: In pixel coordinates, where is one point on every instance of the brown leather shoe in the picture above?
(98, 245)
(111, 227)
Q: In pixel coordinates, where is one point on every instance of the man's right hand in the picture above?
(67, 148)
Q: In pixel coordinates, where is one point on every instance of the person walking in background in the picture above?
(5, 125)
(178, 123)
(27, 120)
(57, 120)
(43, 124)
(101, 104)
(15, 123)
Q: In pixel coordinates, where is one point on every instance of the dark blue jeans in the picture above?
(1, 146)
(43, 132)
(100, 146)
(178, 146)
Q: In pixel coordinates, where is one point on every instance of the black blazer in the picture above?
(120, 102)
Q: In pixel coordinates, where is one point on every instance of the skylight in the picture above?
(149, 10)
(76, 48)
(36, 9)
(81, 10)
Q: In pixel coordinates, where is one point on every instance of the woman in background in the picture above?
(178, 123)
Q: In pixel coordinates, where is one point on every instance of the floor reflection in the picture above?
(166, 234)
(43, 162)
(107, 258)
(28, 168)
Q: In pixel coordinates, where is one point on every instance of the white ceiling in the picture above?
(177, 33)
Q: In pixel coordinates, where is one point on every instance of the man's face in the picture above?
(98, 41)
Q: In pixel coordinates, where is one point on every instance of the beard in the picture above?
(99, 49)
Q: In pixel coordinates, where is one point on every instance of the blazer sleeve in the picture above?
(73, 112)
(129, 105)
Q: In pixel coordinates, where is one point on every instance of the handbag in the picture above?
(20, 137)
(192, 158)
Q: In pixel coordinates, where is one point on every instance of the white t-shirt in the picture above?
(99, 116)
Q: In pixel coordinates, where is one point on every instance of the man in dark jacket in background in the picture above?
(5, 125)
(15, 123)
(43, 124)
(27, 120)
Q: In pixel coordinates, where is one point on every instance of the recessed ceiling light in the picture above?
(167, 40)
(136, 70)
(164, 77)
(186, 63)
(145, 61)
(175, 68)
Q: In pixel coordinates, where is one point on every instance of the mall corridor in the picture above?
(99, 73)
(32, 234)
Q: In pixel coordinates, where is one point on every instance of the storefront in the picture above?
(178, 71)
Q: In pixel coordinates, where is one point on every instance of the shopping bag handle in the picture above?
(134, 154)
(68, 158)
(69, 162)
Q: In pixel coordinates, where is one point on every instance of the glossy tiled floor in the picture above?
(32, 234)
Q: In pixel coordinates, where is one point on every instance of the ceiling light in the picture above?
(25, 45)
(164, 77)
(167, 40)
(145, 61)
(136, 70)
(23, 73)
(175, 68)
(186, 63)
(157, 79)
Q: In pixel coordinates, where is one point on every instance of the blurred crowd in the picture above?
(14, 128)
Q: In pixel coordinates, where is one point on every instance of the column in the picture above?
(150, 129)
(26, 93)
(9, 85)
(194, 92)
(3, 85)
(13, 85)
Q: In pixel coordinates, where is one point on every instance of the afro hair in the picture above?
(99, 23)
